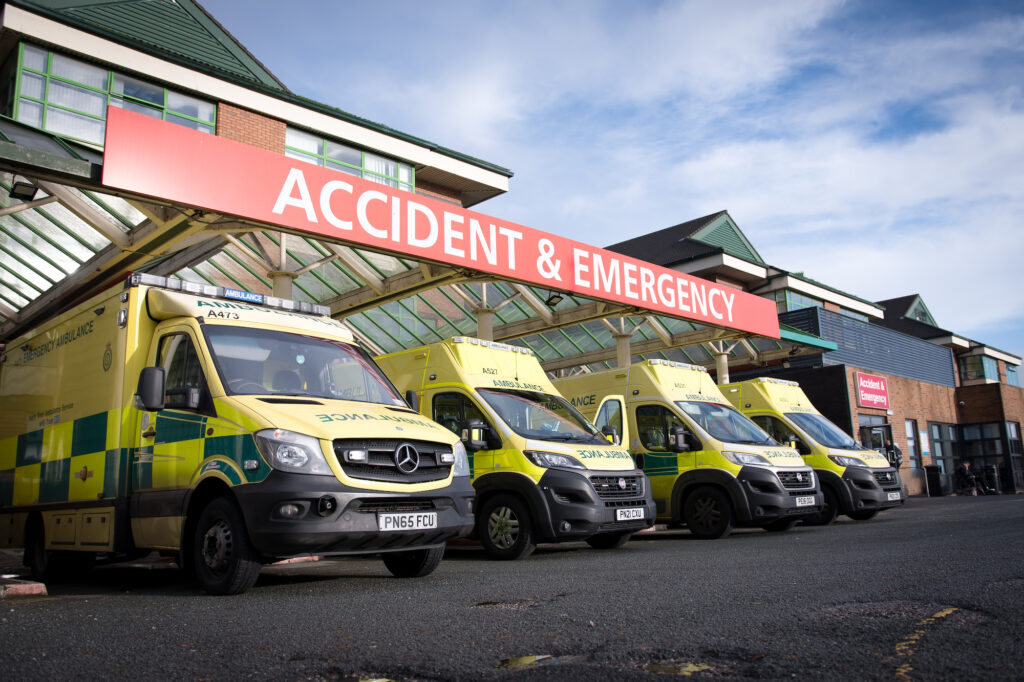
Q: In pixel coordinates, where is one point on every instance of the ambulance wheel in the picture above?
(863, 515)
(223, 558)
(609, 540)
(780, 525)
(708, 513)
(415, 563)
(505, 528)
(829, 510)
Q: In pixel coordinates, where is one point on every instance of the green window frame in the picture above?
(69, 97)
(973, 367)
(787, 300)
(321, 151)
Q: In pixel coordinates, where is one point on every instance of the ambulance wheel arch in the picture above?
(836, 496)
(47, 564)
(695, 480)
(206, 493)
(506, 487)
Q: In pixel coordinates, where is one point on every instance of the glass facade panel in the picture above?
(974, 367)
(71, 90)
(79, 72)
(1011, 375)
(346, 159)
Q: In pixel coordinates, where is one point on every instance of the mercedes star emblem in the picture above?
(407, 458)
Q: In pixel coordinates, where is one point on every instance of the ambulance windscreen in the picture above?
(542, 416)
(253, 361)
(822, 430)
(724, 423)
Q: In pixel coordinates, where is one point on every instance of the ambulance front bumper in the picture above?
(775, 494)
(874, 489)
(291, 514)
(582, 504)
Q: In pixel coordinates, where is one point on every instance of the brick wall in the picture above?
(436, 192)
(909, 399)
(250, 128)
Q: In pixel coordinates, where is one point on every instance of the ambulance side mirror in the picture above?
(679, 441)
(474, 436)
(611, 434)
(149, 396)
(413, 399)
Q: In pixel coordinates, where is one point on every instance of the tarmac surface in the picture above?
(932, 591)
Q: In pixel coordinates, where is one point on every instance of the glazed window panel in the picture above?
(347, 159)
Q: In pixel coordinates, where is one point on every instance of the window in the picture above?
(943, 439)
(184, 382)
(610, 414)
(1011, 375)
(454, 410)
(323, 152)
(983, 440)
(69, 97)
(787, 300)
(653, 425)
(912, 446)
(973, 367)
(781, 432)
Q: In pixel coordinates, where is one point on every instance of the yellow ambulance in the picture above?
(855, 480)
(542, 473)
(228, 428)
(710, 467)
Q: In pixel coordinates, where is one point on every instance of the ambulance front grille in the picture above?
(381, 464)
(796, 480)
(609, 487)
(886, 478)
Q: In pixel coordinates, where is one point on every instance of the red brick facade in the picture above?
(250, 128)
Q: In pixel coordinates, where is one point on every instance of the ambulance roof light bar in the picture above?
(680, 365)
(211, 291)
(773, 380)
(491, 344)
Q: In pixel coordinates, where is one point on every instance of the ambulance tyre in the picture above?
(222, 555)
(780, 525)
(505, 528)
(708, 513)
(414, 563)
(609, 540)
(863, 515)
(829, 510)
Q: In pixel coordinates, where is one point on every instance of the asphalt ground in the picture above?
(932, 591)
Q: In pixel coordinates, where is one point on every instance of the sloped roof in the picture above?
(714, 233)
(907, 306)
(178, 30)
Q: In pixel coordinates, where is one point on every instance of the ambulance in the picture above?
(855, 481)
(710, 467)
(542, 473)
(227, 428)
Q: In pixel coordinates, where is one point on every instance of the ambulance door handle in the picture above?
(149, 433)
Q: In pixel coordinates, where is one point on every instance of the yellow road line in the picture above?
(905, 649)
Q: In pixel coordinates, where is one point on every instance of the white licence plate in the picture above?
(805, 501)
(629, 514)
(410, 521)
(894, 497)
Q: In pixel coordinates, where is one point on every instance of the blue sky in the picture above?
(876, 146)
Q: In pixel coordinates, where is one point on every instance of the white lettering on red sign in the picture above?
(872, 391)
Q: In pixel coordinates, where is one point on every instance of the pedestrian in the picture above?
(893, 454)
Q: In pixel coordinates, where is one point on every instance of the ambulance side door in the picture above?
(171, 440)
(453, 410)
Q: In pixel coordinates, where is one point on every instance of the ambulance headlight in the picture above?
(746, 459)
(844, 461)
(461, 466)
(553, 459)
(294, 452)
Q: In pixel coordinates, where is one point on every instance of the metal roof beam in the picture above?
(393, 288)
(351, 260)
(587, 312)
(100, 222)
(638, 348)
